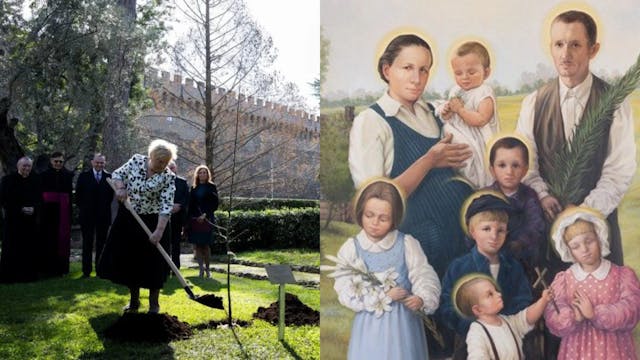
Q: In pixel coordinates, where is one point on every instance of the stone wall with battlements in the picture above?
(278, 151)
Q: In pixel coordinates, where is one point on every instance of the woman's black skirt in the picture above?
(129, 258)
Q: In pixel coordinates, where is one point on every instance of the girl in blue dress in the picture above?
(388, 280)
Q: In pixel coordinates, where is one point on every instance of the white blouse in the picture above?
(371, 137)
(148, 196)
(479, 346)
(424, 280)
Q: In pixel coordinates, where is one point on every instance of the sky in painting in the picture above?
(516, 33)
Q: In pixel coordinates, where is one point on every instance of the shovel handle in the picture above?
(164, 254)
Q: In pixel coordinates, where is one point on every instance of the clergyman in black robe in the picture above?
(21, 198)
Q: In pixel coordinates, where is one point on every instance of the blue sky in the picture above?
(515, 31)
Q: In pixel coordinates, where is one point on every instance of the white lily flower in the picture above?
(359, 265)
(378, 303)
(328, 267)
(358, 287)
(356, 303)
(335, 259)
(340, 272)
(387, 278)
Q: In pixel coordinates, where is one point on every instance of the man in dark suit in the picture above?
(93, 198)
(178, 213)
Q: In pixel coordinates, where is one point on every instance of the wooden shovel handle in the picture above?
(166, 257)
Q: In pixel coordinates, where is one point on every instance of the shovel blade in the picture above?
(211, 301)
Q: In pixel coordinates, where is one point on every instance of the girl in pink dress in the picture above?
(598, 301)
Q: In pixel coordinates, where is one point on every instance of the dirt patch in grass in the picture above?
(295, 312)
(142, 327)
(214, 324)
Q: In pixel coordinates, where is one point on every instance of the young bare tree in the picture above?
(230, 57)
(227, 53)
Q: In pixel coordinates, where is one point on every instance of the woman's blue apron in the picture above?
(432, 215)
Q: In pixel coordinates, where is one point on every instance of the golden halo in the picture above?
(572, 211)
(451, 52)
(365, 184)
(501, 135)
(390, 35)
(467, 202)
(560, 8)
(465, 279)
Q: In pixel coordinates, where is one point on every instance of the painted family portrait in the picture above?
(478, 173)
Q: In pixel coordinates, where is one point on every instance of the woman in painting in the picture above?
(400, 137)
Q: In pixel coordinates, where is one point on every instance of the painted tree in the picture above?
(335, 177)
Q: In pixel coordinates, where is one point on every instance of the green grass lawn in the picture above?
(336, 319)
(308, 257)
(64, 319)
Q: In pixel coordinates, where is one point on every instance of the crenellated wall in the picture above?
(278, 151)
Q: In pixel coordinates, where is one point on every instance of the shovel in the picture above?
(209, 300)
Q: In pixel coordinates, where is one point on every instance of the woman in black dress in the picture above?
(130, 256)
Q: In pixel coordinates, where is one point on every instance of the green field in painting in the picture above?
(335, 321)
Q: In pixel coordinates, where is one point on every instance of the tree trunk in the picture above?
(10, 149)
(208, 107)
(120, 68)
(329, 216)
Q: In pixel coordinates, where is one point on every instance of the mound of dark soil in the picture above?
(143, 327)
(295, 312)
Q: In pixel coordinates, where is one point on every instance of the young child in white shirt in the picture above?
(386, 324)
(471, 112)
(491, 335)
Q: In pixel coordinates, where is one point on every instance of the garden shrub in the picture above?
(271, 229)
(258, 204)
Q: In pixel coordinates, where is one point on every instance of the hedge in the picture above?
(258, 204)
(270, 229)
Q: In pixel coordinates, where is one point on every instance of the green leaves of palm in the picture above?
(573, 160)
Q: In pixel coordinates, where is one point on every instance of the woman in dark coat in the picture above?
(130, 256)
(202, 205)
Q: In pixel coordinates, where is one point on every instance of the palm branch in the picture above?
(572, 162)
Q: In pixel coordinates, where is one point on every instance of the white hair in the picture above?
(163, 149)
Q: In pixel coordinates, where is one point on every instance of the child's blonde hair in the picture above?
(484, 205)
(464, 296)
(383, 189)
(474, 47)
(489, 215)
(578, 220)
(578, 228)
